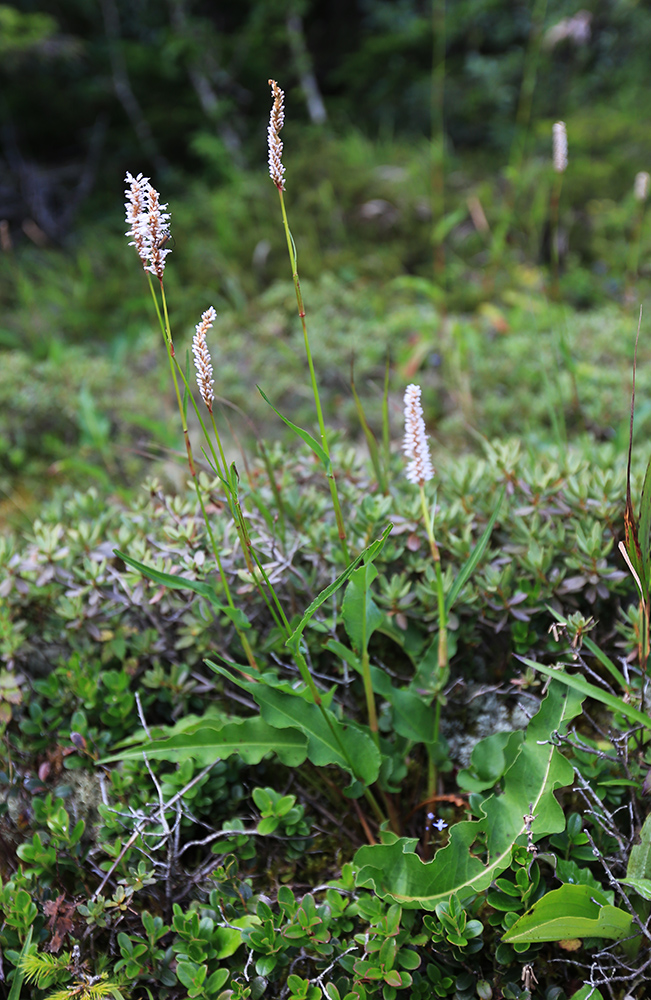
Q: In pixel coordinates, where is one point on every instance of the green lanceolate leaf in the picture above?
(236, 615)
(478, 850)
(304, 435)
(642, 886)
(250, 738)
(413, 716)
(578, 683)
(328, 739)
(368, 554)
(326, 735)
(360, 613)
(474, 558)
(573, 911)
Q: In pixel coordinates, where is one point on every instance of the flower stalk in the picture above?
(420, 471)
(149, 228)
(559, 162)
(277, 174)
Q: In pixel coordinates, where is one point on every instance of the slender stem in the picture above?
(370, 697)
(281, 618)
(443, 625)
(315, 389)
(432, 775)
(174, 366)
(316, 698)
(246, 646)
(170, 353)
(553, 226)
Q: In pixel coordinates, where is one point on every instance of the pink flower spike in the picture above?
(420, 469)
(202, 359)
(148, 222)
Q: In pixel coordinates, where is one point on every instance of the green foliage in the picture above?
(394, 871)
(177, 871)
(570, 912)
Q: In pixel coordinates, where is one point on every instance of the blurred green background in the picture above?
(418, 156)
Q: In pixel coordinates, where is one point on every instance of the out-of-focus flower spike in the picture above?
(415, 445)
(559, 147)
(641, 186)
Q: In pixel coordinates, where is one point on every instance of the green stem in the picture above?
(370, 697)
(432, 776)
(553, 232)
(316, 698)
(443, 625)
(315, 389)
(170, 353)
(227, 590)
(280, 618)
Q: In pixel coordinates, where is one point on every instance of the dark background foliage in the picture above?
(90, 89)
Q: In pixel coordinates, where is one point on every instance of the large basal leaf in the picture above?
(393, 871)
(327, 737)
(413, 715)
(325, 734)
(573, 911)
(250, 738)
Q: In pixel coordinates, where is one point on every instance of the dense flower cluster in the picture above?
(148, 223)
(276, 122)
(641, 186)
(559, 147)
(415, 446)
(202, 360)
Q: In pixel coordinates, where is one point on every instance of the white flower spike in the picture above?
(148, 223)
(202, 359)
(276, 122)
(415, 445)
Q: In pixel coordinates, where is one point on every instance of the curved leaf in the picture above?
(251, 738)
(360, 613)
(573, 911)
(325, 734)
(367, 554)
(579, 683)
(304, 435)
(236, 615)
(396, 873)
